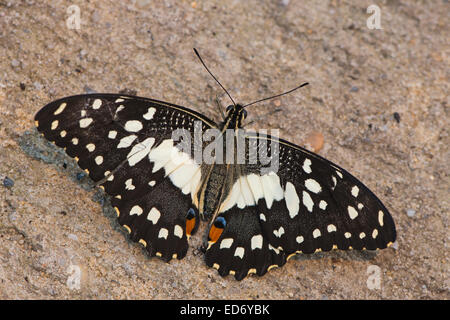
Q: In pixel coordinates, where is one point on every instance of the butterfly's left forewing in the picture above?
(125, 144)
(308, 204)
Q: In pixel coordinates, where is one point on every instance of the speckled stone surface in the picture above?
(58, 237)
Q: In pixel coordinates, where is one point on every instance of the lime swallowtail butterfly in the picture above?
(160, 192)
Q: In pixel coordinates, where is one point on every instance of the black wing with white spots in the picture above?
(125, 144)
(309, 204)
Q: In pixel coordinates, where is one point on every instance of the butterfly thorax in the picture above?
(235, 115)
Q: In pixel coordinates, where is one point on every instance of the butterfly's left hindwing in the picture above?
(308, 204)
(125, 144)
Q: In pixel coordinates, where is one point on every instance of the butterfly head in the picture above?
(235, 116)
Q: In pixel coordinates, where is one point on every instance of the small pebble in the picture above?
(410, 212)
(37, 85)
(143, 3)
(72, 237)
(8, 183)
(354, 89)
(89, 90)
(397, 117)
(12, 216)
(95, 17)
(80, 175)
(15, 63)
(127, 91)
(395, 245)
(22, 86)
(315, 141)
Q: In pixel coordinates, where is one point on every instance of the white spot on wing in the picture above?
(154, 215)
(60, 109)
(55, 124)
(292, 200)
(374, 233)
(136, 210)
(90, 147)
(125, 142)
(316, 233)
(247, 190)
(257, 242)
(75, 141)
(255, 184)
(182, 170)
(352, 212)
(278, 233)
(313, 186)
(380, 218)
(109, 175)
(355, 191)
(226, 243)
(277, 250)
(178, 231)
(299, 239)
(99, 160)
(323, 204)
(307, 201)
(85, 122)
(140, 151)
(129, 184)
(347, 235)
(239, 252)
(133, 126)
(97, 104)
(334, 182)
(112, 134)
(272, 188)
(150, 113)
(331, 228)
(161, 154)
(163, 233)
(307, 166)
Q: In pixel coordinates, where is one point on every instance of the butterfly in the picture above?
(258, 216)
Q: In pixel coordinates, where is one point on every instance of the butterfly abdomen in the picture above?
(214, 189)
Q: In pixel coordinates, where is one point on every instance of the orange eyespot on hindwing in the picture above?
(216, 229)
(191, 222)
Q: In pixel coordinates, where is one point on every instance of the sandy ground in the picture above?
(379, 97)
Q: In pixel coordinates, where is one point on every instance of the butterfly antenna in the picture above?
(278, 95)
(201, 60)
